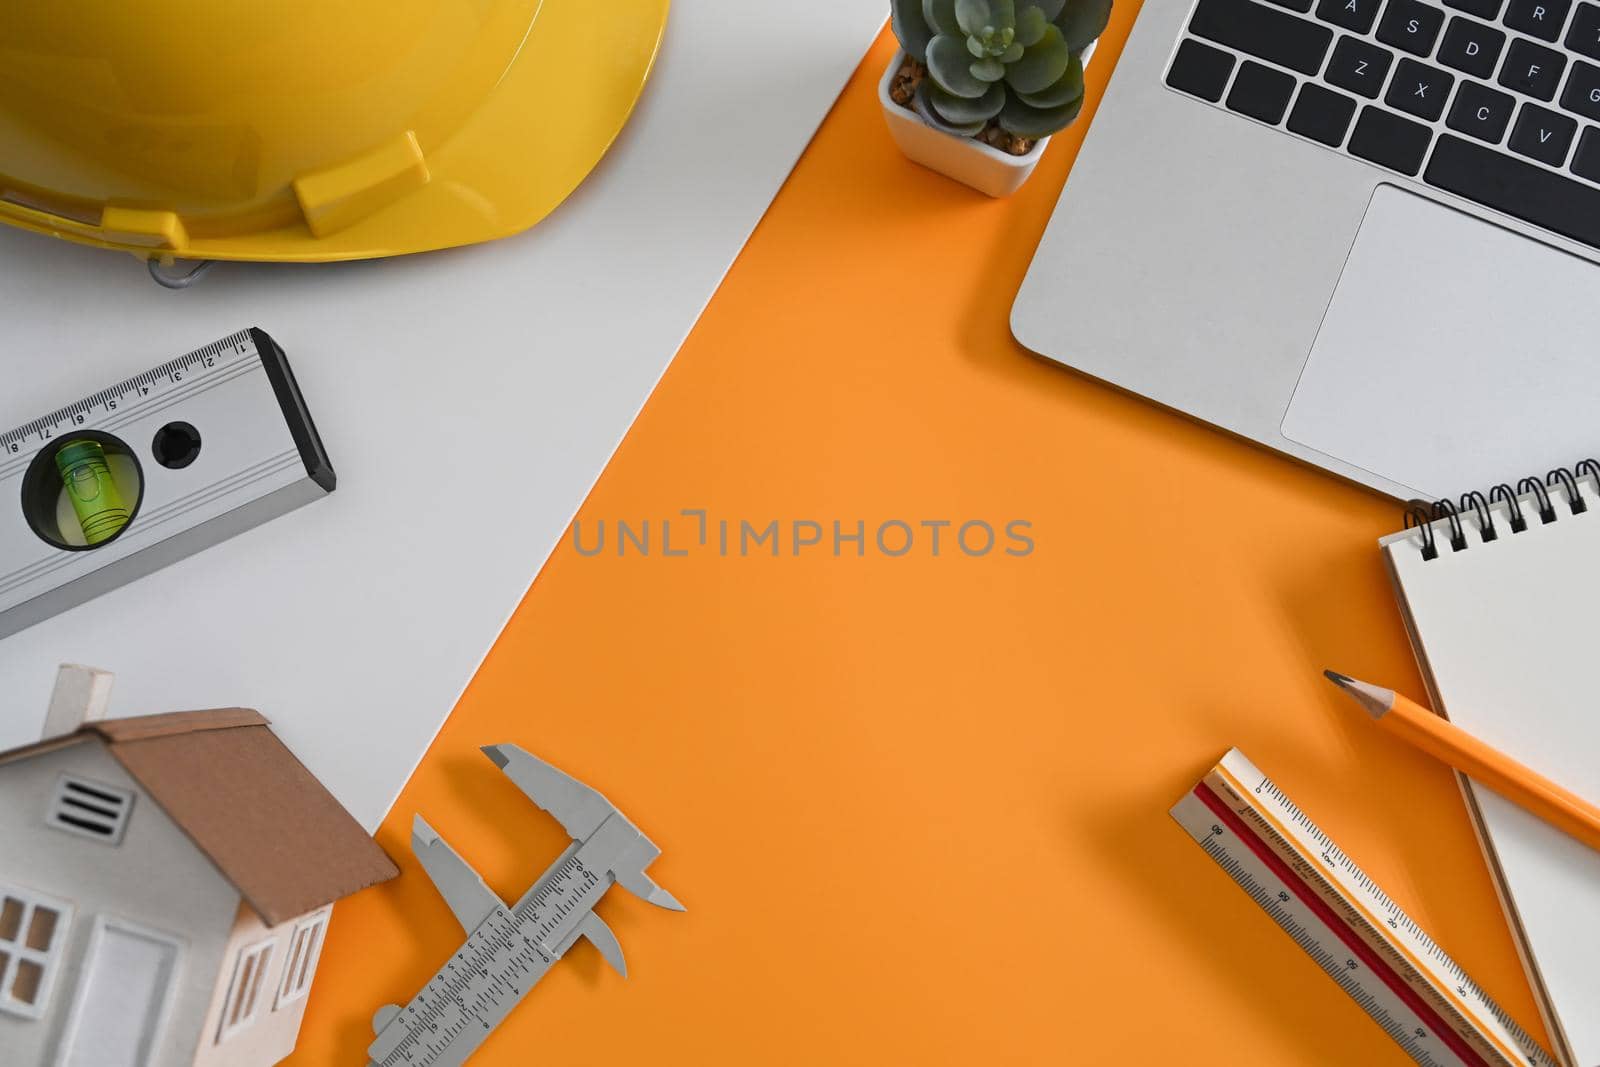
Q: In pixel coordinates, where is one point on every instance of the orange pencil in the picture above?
(1436, 736)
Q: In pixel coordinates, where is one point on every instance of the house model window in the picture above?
(33, 930)
(194, 972)
(244, 995)
(305, 946)
(89, 808)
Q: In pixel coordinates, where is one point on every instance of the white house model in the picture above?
(165, 885)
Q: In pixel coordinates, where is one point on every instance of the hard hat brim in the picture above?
(538, 134)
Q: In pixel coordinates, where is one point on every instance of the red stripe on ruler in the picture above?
(1331, 920)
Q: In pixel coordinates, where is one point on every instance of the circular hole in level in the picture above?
(83, 491)
(176, 445)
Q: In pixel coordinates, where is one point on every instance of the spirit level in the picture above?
(182, 456)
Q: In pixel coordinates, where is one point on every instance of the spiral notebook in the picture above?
(1501, 593)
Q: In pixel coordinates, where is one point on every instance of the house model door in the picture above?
(120, 1004)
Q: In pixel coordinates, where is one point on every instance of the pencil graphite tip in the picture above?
(1376, 700)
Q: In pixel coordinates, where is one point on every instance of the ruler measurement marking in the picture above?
(1289, 866)
(1335, 858)
(492, 952)
(513, 946)
(157, 403)
(114, 415)
(1350, 938)
(1306, 938)
(46, 427)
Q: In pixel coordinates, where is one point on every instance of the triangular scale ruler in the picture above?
(1348, 925)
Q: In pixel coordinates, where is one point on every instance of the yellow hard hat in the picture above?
(308, 130)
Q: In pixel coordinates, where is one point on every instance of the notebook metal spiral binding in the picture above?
(1563, 480)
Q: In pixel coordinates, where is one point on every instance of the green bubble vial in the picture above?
(92, 488)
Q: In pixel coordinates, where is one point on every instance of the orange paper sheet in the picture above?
(917, 805)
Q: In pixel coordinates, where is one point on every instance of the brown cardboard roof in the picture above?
(270, 827)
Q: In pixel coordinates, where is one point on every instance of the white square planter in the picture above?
(966, 159)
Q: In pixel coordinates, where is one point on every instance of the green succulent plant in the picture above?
(1018, 62)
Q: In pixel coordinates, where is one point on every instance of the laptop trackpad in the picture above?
(1455, 354)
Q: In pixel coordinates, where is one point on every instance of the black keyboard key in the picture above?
(1411, 26)
(1302, 6)
(1484, 9)
(1538, 18)
(1419, 89)
(1505, 183)
(1582, 93)
(1200, 70)
(1543, 135)
(1532, 69)
(1471, 47)
(1586, 160)
(1261, 92)
(1321, 114)
(1481, 112)
(1390, 141)
(1357, 15)
(1264, 32)
(1584, 36)
(1359, 67)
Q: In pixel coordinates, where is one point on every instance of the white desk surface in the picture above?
(469, 400)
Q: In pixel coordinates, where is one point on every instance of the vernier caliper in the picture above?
(508, 949)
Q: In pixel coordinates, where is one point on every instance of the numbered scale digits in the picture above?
(1346, 923)
(151, 385)
(510, 948)
(150, 470)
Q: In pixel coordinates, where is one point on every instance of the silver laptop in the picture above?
(1365, 233)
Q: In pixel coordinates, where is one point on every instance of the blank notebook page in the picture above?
(1506, 633)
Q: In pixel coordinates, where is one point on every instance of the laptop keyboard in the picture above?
(1497, 101)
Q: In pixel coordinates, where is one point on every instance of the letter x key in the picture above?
(1419, 89)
